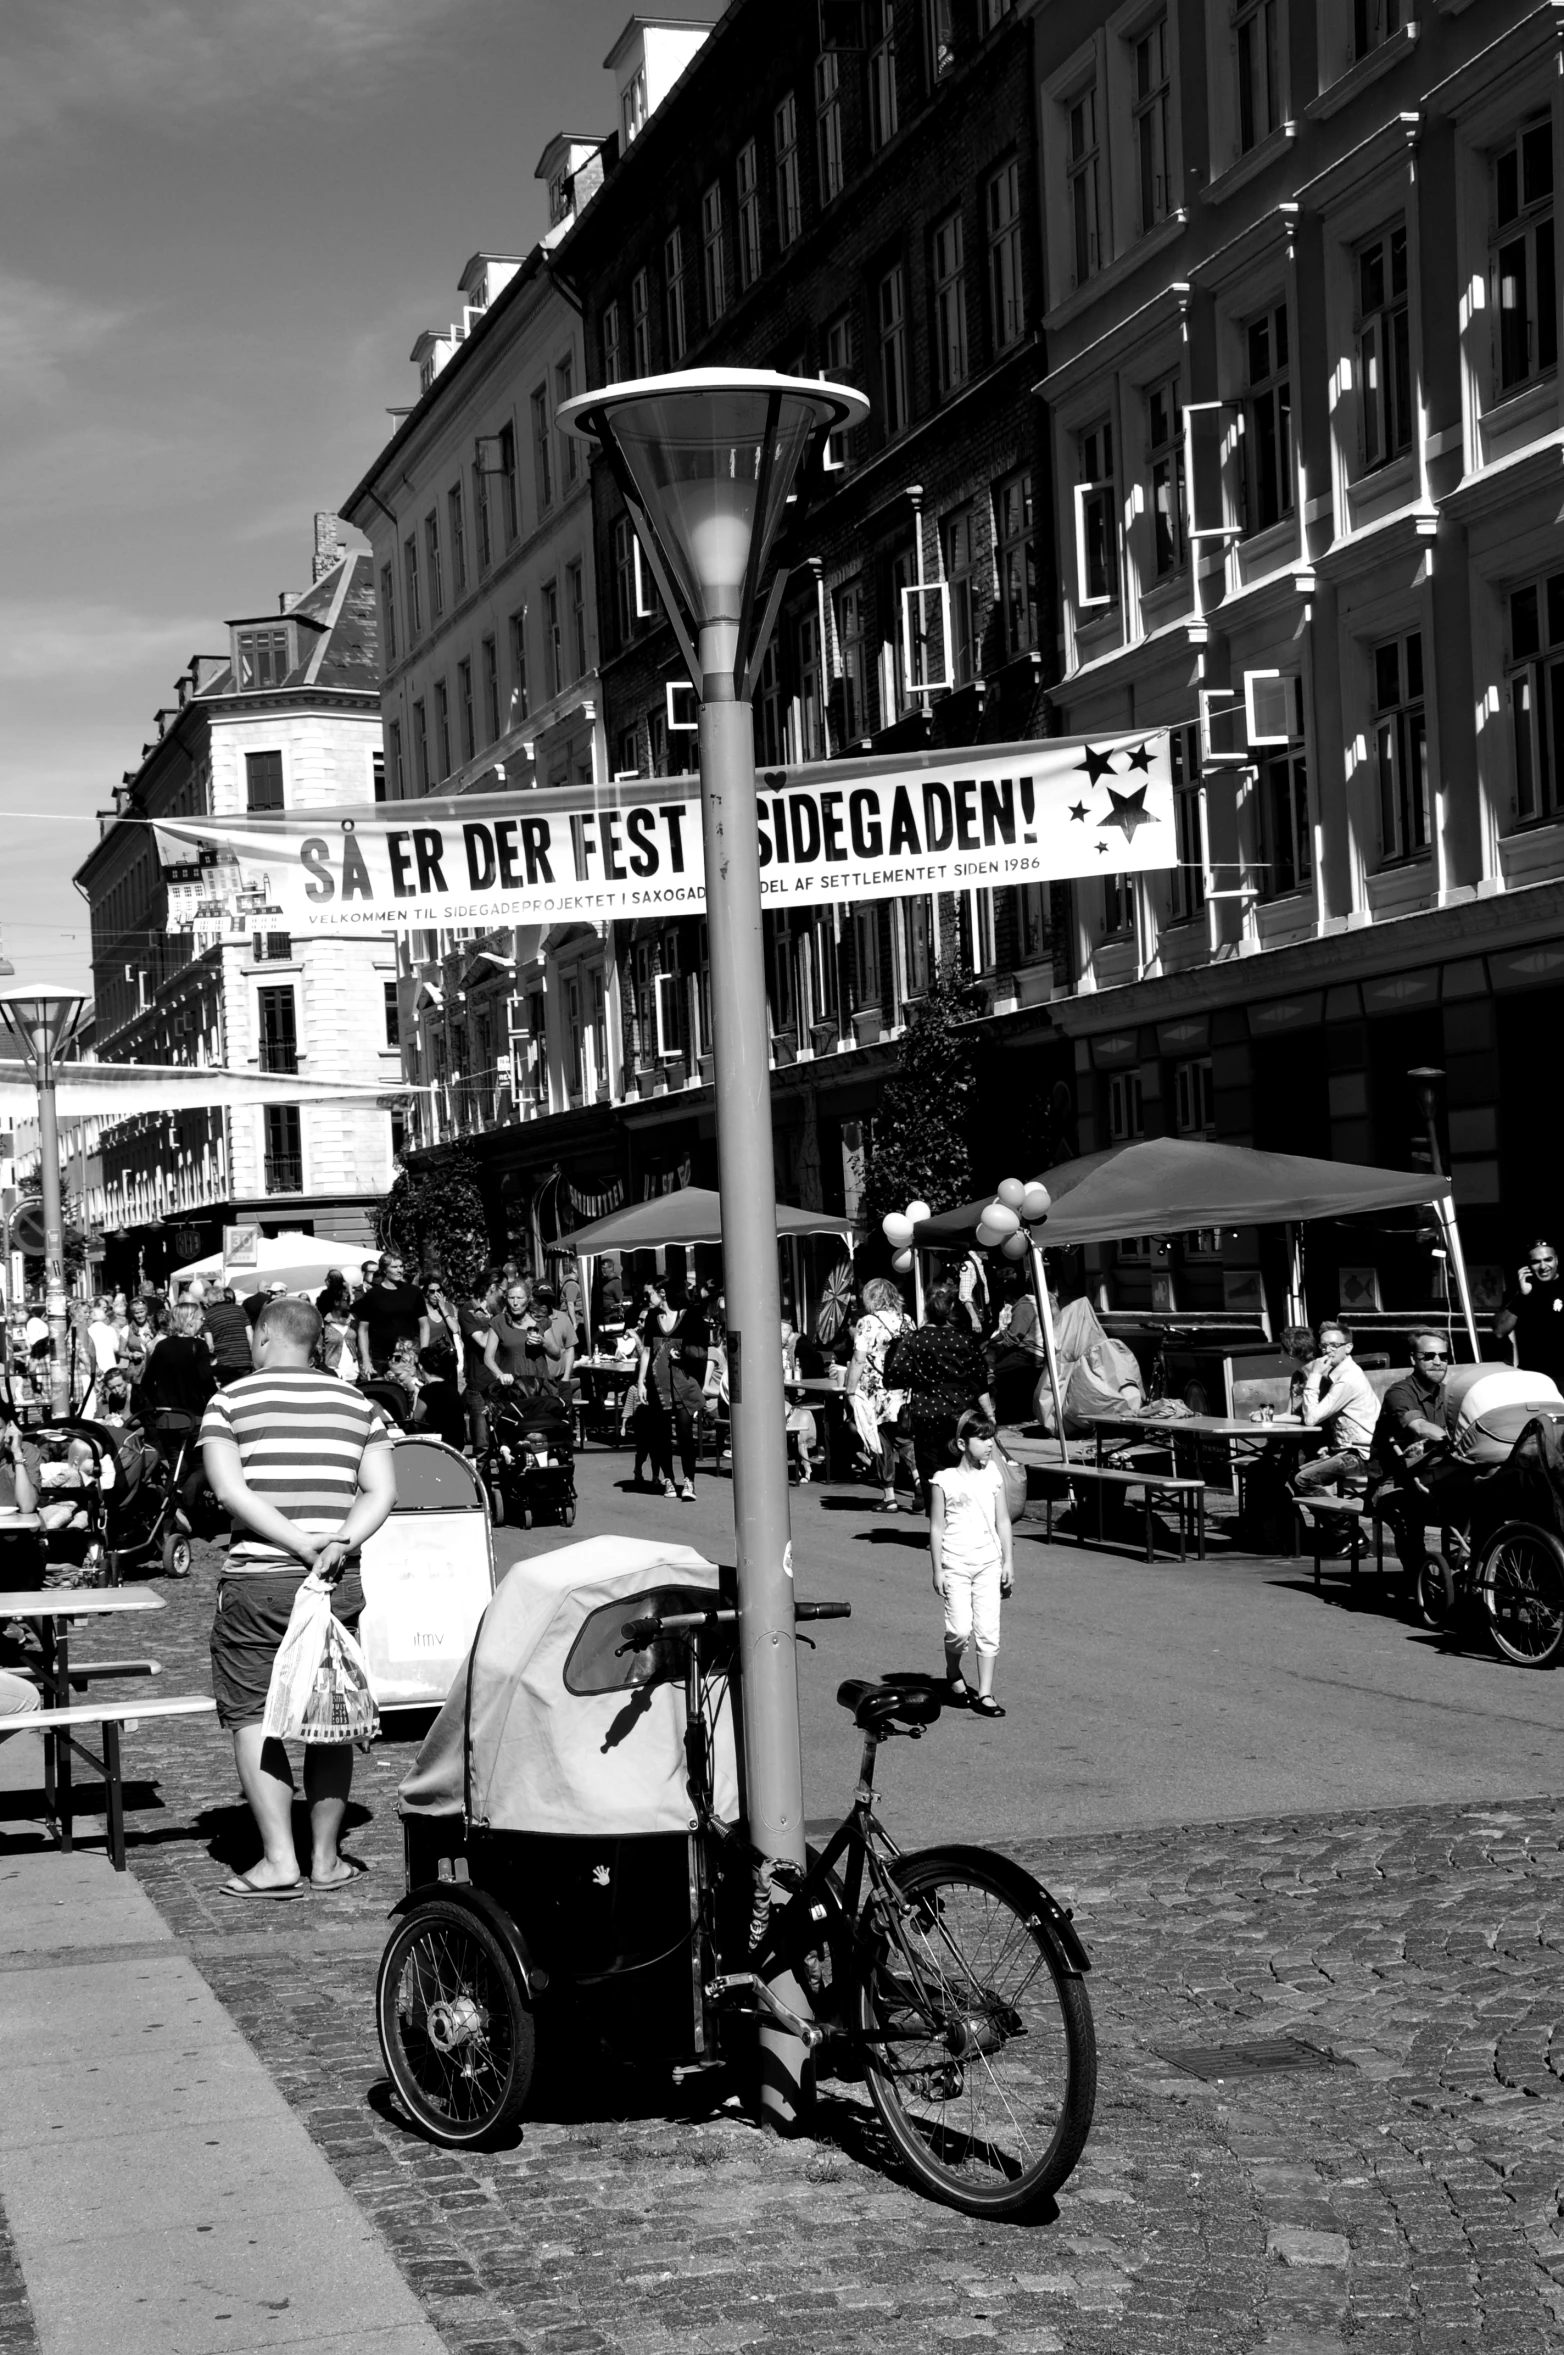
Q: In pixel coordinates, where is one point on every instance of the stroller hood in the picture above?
(520, 1752)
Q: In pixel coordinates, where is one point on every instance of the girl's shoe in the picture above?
(687, 1493)
(985, 1705)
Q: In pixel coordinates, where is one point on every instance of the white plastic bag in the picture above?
(320, 1689)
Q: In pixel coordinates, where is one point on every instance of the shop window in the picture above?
(1126, 1111)
(1194, 1097)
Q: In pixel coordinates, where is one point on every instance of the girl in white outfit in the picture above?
(969, 1538)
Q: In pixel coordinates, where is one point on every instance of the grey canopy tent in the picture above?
(1165, 1185)
(692, 1214)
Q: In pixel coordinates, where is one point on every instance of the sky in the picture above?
(226, 221)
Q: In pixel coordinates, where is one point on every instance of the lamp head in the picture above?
(706, 460)
(40, 1017)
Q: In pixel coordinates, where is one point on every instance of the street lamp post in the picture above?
(706, 462)
(41, 1021)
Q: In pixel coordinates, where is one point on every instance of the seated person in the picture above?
(1412, 1448)
(1339, 1399)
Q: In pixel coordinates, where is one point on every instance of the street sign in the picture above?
(27, 1234)
(241, 1246)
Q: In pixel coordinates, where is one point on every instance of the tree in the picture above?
(438, 1213)
(922, 1133)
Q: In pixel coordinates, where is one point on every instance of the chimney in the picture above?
(329, 545)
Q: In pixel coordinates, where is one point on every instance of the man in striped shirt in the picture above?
(302, 1462)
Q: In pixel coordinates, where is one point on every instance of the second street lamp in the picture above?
(41, 1021)
(706, 462)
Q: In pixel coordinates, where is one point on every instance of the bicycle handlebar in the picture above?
(638, 1633)
(822, 1611)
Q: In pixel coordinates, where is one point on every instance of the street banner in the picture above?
(848, 830)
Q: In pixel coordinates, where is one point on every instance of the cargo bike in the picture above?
(578, 1875)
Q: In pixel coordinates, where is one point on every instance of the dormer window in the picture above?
(632, 104)
(263, 656)
(561, 203)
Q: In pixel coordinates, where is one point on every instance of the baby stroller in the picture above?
(530, 1466)
(80, 1466)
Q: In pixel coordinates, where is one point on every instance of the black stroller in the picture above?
(109, 1504)
(530, 1467)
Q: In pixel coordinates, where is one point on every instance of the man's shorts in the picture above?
(252, 1619)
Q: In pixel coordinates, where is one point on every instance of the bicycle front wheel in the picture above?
(980, 2052)
(1523, 1587)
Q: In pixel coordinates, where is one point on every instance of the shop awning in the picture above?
(693, 1214)
(1171, 1185)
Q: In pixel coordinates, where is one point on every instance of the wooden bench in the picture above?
(87, 1672)
(1187, 1493)
(112, 1718)
(1342, 1512)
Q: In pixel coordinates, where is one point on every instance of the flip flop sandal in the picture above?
(985, 1705)
(245, 1887)
(354, 1872)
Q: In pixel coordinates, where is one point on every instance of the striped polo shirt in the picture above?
(301, 1438)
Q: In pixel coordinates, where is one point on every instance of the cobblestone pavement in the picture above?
(1407, 2199)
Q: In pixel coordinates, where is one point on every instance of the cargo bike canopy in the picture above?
(551, 1726)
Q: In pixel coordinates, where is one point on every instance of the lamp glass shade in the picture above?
(40, 1019)
(694, 447)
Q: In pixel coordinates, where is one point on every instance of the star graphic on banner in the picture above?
(1140, 759)
(1129, 812)
(1096, 764)
(1102, 848)
(1078, 810)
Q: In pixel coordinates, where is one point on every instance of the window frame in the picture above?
(542, 447)
(1383, 341)
(1006, 266)
(884, 110)
(1270, 392)
(1538, 667)
(1398, 735)
(747, 182)
(788, 178)
(432, 551)
(892, 351)
(1530, 228)
(676, 320)
(613, 352)
(714, 267)
(948, 288)
(457, 533)
(1010, 545)
(829, 147)
(641, 323)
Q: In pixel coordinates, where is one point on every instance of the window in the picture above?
(613, 356)
(1268, 480)
(410, 584)
(388, 610)
(1005, 303)
(839, 368)
(1097, 556)
(749, 213)
(1257, 33)
(520, 700)
(442, 728)
(263, 780)
(627, 753)
(510, 498)
(420, 747)
(806, 672)
(1188, 879)
(1165, 452)
(553, 641)
(770, 708)
(1082, 173)
(1126, 1118)
(377, 776)
(464, 708)
(624, 580)
(894, 407)
(1152, 95)
(950, 305)
(1536, 697)
(917, 945)
(961, 574)
(277, 1030)
(1017, 566)
(1287, 843)
(828, 125)
(641, 323)
(542, 453)
(1375, 22)
(673, 273)
(436, 573)
(491, 691)
(1400, 747)
(456, 527)
(939, 37)
(897, 574)
(632, 104)
(1032, 923)
(849, 640)
(790, 205)
(480, 513)
(284, 1162)
(657, 739)
(714, 269)
(394, 749)
(883, 116)
(393, 1014)
(575, 597)
(866, 956)
(264, 659)
(1525, 291)
(1384, 349)
(569, 447)
(1194, 1098)
(1116, 906)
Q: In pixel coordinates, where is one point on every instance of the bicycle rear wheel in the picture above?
(1523, 1588)
(456, 2032)
(980, 2052)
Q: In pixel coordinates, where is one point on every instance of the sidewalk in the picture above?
(161, 2196)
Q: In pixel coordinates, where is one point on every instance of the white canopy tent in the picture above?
(301, 1262)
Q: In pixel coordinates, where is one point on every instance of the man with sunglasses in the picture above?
(1412, 1440)
(1534, 1313)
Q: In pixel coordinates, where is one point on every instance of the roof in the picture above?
(340, 645)
(691, 1215)
(669, 20)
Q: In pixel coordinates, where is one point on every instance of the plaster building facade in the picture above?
(1302, 392)
(188, 969)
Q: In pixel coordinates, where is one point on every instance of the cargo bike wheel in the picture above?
(456, 2032)
(979, 2047)
(1523, 1590)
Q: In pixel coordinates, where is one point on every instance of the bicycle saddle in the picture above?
(876, 1705)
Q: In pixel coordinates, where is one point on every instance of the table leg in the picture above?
(1150, 1493)
(116, 1794)
(1200, 1525)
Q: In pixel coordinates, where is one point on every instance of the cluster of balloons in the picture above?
(1002, 1226)
(896, 1226)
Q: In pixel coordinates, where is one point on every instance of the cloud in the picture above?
(178, 59)
(52, 641)
(43, 331)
